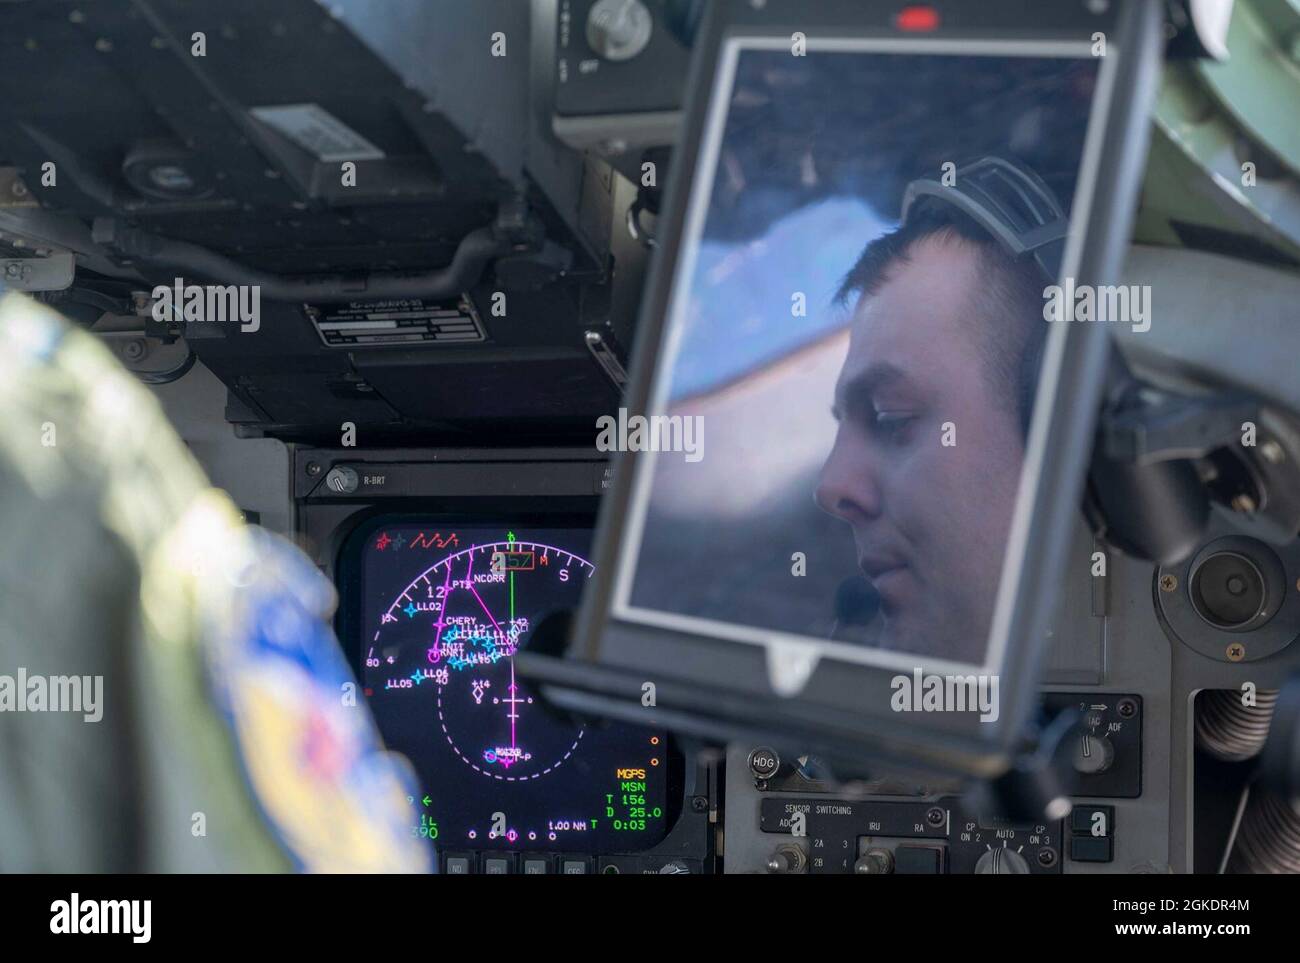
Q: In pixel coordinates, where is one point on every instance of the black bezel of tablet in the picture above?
(841, 709)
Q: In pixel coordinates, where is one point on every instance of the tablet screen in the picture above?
(836, 440)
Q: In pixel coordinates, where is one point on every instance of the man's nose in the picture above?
(848, 487)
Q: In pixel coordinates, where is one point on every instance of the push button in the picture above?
(764, 763)
(496, 866)
(1092, 834)
(573, 867)
(537, 866)
(1091, 849)
(456, 866)
(1093, 821)
(918, 861)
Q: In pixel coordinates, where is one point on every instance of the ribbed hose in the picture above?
(466, 269)
(1230, 731)
(1269, 838)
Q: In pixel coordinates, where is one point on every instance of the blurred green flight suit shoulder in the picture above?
(229, 736)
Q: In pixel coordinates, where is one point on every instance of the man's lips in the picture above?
(876, 566)
(888, 577)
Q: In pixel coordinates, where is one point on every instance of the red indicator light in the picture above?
(917, 19)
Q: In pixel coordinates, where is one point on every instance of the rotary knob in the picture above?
(343, 480)
(619, 29)
(1093, 754)
(1004, 861)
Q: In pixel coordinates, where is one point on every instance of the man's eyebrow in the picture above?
(858, 391)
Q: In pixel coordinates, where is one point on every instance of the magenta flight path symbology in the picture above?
(446, 608)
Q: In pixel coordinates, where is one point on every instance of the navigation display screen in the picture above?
(445, 608)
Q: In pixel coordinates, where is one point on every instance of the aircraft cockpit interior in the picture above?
(654, 437)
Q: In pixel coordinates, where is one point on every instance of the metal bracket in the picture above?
(607, 359)
(53, 273)
(1163, 427)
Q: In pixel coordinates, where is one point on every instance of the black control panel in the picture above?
(1104, 755)
(620, 56)
(903, 829)
(470, 863)
(1101, 759)
(913, 837)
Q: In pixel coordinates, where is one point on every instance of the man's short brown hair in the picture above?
(1009, 304)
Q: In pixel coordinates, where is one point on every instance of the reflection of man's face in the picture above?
(930, 521)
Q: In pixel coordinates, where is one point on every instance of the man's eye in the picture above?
(891, 424)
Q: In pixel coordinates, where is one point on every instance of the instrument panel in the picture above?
(400, 563)
(443, 608)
